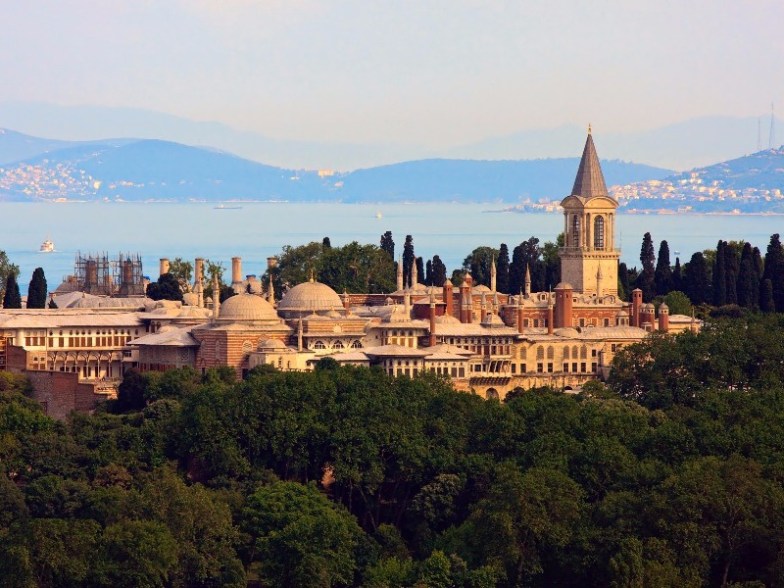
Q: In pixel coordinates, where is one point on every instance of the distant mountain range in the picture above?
(690, 143)
(141, 170)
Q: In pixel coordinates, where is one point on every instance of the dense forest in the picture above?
(670, 474)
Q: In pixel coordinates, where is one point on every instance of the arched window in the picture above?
(598, 233)
(583, 352)
(566, 352)
(319, 345)
(338, 345)
(550, 352)
(492, 394)
(540, 352)
(575, 230)
(356, 344)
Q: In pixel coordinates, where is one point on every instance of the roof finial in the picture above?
(589, 128)
(312, 278)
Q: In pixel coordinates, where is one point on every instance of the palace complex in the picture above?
(486, 342)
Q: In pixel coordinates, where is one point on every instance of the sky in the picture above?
(435, 73)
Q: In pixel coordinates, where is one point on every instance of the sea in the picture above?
(255, 231)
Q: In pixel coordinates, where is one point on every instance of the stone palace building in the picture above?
(486, 342)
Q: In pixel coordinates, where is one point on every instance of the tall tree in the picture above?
(732, 253)
(326, 243)
(409, 259)
(524, 256)
(420, 269)
(766, 302)
(623, 281)
(6, 268)
(677, 276)
(387, 244)
(428, 273)
(182, 270)
(646, 281)
(696, 279)
(774, 270)
(663, 273)
(748, 280)
(502, 269)
(36, 291)
(166, 288)
(720, 275)
(12, 298)
(439, 272)
(478, 264)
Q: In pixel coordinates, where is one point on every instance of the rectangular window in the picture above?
(550, 367)
(593, 367)
(566, 367)
(514, 368)
(540, 367)
(582, 367)
(522, 368)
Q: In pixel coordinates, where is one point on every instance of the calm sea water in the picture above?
(259, 230)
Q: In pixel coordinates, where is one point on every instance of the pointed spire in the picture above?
(399, 274)
(527, 280)
(312, 276)
(589, 182)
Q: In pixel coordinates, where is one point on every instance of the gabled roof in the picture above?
(589, 181)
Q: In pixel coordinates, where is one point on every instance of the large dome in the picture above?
(310, 297)
(246, 308)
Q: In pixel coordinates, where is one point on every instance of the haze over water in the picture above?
(259, 230)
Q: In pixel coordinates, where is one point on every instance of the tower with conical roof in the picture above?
(589, 260)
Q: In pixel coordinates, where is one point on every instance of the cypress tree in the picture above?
(731, 271)
(420, 269)
(428, 273)
(646, 281)
(36, 291)
(387, 244)
(677, 276)
(502, 269)
(748, 281)
(663, 273)
(326, 243)
(759, 266)
(439, 272)
(696, 279)
(409, 259)
(623, 281)
(774, 271)
(766, 296)
(12, 298)
(720, 276)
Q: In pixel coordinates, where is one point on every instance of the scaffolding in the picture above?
(97, 274)
(128, 273)
(93, 274)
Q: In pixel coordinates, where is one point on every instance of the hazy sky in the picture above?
(436, 73)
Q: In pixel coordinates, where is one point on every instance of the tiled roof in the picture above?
(589, 182)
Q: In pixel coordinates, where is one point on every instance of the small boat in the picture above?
(46, 247)
(379, 215)
(224, 207)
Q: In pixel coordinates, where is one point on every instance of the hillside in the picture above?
(140, 170)
(750, 184)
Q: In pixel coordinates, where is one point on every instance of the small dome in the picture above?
(271, 344)
(622, 314)
(663, 308)
(480, 288)
(447, 319)
(564, 286)
(246, 308)
(190, 299)
(310, 297)
(566, 332)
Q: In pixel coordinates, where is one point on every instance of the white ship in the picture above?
(46, 247)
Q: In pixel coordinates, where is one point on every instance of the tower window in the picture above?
(575, 230)
(598, 233)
